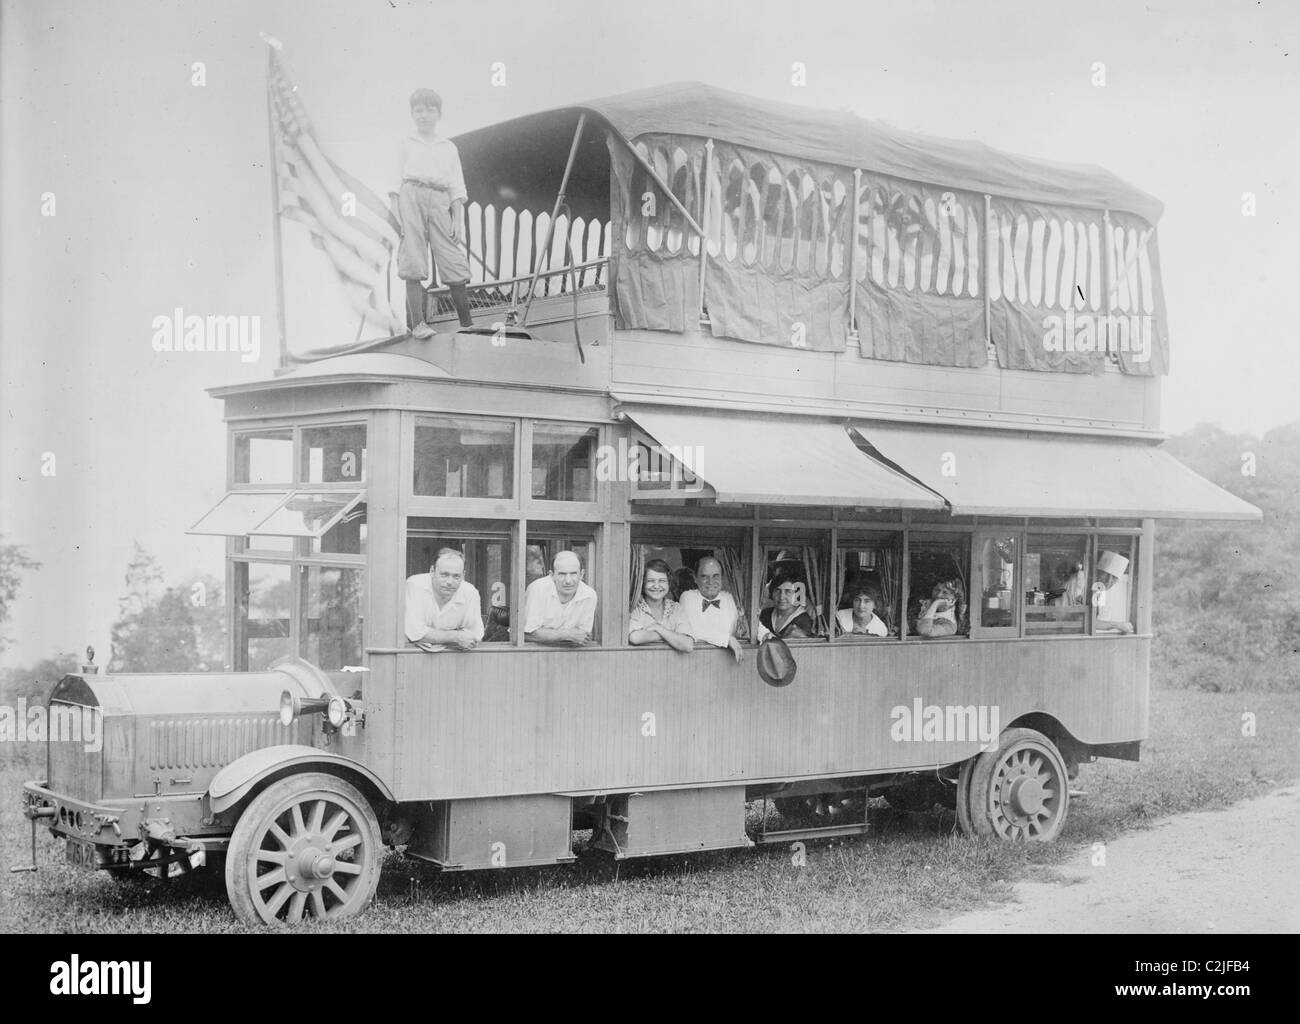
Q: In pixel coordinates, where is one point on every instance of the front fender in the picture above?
(237, 779)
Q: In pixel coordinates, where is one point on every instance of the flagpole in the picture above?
(283, 345)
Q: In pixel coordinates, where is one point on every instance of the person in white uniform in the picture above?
(560, 608)
(443, 612)
(1110, 594)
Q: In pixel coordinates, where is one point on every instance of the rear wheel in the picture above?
(1021, 790)
(307, 847)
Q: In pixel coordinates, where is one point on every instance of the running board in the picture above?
(819, 832)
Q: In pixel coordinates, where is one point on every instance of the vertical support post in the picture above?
(1146, 563)
(990, 251)
(555, 212)
(905, 581)
(755, 577)
(854, 336)
(518, 541)
(833, 570)
(282, 343)
(704, 214)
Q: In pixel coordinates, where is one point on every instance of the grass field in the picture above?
(911, 871)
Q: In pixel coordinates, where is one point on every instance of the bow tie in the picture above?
(716, 603)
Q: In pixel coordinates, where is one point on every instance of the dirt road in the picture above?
(1213, 871)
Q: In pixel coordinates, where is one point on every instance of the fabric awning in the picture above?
(779, 460)
(1015, 474)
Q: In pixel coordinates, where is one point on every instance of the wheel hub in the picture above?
(308, 864)
(1026, 795)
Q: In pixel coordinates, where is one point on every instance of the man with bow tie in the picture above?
(711, 611)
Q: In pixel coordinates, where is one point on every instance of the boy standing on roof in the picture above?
(430, 206)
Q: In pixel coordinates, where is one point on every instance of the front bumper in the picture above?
(102, 824)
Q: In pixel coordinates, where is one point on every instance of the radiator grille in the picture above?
(211, 742)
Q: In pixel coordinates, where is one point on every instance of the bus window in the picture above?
(564, 459)
(801, 570)
(1055, 587)
(937, 569)
(264, 597)
(539, 555)
(685, 556)
(463, 457)
(333, 454)
(996, 565)
(487, 569)
(1112, 593)
(331, 608)
(873, 567)
(264, 456)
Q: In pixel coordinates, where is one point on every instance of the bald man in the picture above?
(560, 608)
(443, 612)
(710, 610)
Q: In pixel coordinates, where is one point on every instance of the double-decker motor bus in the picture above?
(835, 358)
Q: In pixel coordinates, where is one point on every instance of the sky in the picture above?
(147, 123)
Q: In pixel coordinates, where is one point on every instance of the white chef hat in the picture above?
(1112, 563)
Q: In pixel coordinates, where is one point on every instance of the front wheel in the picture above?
(307, 846)
(1021, 790)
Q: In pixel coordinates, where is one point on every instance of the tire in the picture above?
(319, 837)
(1021, 790)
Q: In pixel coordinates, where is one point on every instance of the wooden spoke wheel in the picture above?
(307, 847)
(1021, 790)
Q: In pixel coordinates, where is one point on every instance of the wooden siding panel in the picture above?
(494, 723)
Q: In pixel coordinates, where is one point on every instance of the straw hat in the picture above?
(775, 662)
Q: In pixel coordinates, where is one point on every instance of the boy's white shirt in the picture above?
(433, 159)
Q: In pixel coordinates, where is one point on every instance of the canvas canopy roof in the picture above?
(836, 137)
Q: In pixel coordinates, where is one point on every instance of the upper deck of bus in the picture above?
(847, 268)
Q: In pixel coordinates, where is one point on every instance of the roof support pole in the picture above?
(990, 254)
(555, 212)
(704, 240)
(854, 228)
(282, 341)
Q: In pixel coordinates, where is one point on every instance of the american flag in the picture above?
(314, 193)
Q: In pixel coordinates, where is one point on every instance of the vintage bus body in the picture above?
(827, 356)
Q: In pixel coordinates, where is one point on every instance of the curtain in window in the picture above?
(816, 587)
(736, 583)
(636, 576)
(889, 564)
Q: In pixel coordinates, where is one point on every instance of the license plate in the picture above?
(81, 853)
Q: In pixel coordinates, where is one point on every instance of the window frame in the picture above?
(475, 529)
(711, 534)
(855, 538)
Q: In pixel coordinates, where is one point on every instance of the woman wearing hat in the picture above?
(1110, 594)
(785, 619)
